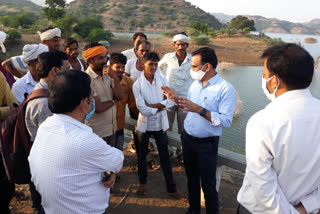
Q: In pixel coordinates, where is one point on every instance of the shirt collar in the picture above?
(91, 73)
(30, 80)
(188, 57)
(211, 81)
(43, 84)
(69, 119)
(289, 95)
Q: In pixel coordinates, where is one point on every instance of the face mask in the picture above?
(89, 115)
(272, 96)
(197, 75)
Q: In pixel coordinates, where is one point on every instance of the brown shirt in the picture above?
(128, 98)
(103, 124)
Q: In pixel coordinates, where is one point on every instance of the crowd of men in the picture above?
(76, 119)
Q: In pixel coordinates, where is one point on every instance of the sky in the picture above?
(290, 10)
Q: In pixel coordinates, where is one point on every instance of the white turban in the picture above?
(50, 34)
(181, 37)
(31, 52)
(3, 37)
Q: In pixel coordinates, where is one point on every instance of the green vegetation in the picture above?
(84, 27)
(241, 22)
(23, 20)
(14, 36)
(99, 34)
(201, 40)
(55, 9)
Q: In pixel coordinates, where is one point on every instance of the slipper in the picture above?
(140, 191)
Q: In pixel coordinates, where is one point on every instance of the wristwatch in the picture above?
(203, 112)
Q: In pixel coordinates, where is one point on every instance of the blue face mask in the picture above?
(89, 115)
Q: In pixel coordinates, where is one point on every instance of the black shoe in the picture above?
(192, 212)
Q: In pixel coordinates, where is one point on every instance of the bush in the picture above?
(201, 40)
(14, 36)
(65, 24)
(84, 27)
(98, 34)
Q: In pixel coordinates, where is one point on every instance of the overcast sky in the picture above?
(291, 10)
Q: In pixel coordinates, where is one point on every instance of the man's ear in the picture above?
(89, 61)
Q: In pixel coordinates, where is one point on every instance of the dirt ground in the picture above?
(238, 50)
(124, 200)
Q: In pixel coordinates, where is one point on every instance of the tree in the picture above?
(84, 27)
(14, 36)
(66, 25)
(55, 9)
(200, 27)
(241, 22)
(98, 34)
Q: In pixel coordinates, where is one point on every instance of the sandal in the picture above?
(140, 190)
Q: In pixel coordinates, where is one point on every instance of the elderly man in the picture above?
(50, 37)
(24, 86)
(210, 105)
(71, 47)
(282, 140)
(176, 67)
(153, 120)
(106, 89)
(67, 160)
(130, 53)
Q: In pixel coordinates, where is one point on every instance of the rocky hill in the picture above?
(263, 24)
(155, 15)
(17, 6)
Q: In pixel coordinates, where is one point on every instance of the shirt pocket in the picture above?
(211, 103)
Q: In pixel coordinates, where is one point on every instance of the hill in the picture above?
(223, 18)
(263, 24)
(8, 7)
(153, 15)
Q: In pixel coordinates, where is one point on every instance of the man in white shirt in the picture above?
(130, 53)
(282, 140)
(24, 86)
(67, 160)
(153, 120)
(134, 67)
(176, 66)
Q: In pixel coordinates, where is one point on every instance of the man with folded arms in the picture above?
(67, 160)
(153, 120)
(24, 86)
(106, 89)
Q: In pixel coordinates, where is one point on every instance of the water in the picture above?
(247, 81)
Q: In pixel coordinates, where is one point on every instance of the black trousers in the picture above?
(200, 161)
(161, 139)
(242, 210)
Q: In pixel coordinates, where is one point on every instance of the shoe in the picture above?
(192, 212)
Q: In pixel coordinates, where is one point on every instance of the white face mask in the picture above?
(197, 75)
(272, 96)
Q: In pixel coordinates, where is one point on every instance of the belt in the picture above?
(202, 140)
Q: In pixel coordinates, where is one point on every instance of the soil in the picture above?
(124, 200)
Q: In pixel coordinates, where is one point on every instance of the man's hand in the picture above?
(188, 105)
(111, 181)
(300, 208)
(108, 71)
(159, 106)
(170, 94)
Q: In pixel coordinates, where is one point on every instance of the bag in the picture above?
(15, 141)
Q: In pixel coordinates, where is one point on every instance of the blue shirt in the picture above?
(218, 97)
